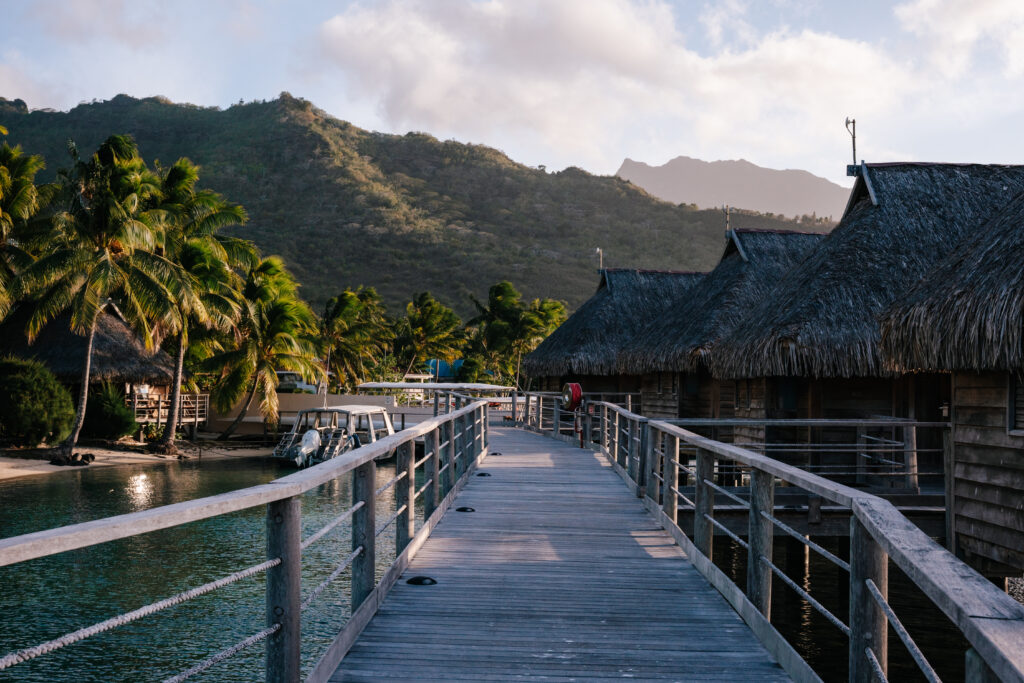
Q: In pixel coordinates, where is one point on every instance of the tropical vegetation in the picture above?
(150, 242)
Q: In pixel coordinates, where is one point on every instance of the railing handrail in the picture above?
(815, 422)
(990, 620)
(61, 539)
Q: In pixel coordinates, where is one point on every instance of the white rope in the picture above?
(335, 574)
(122, 619)
(223, 654)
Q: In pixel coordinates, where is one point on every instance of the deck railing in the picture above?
(452, 446)
(193, 408)
(676, 470)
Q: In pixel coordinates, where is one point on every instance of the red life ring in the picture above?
(572, 396)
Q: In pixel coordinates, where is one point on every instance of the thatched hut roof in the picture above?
(680, 338)
(821, 319)
(968, 312)
(589, 341)
(118, 354)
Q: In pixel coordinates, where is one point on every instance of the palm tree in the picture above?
(102, 252)
(189, 237)
(21, 201)
(428, 329)
(276, 331)
(356, 330)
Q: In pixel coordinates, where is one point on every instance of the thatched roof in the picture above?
(118, 354)
(968, 312)
(589, 341)
(680, 338)
(822, 318)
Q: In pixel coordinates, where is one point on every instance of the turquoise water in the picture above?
(46, 598)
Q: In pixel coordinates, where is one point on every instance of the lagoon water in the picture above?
(46, 598)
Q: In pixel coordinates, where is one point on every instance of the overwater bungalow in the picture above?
(811, 346)
(585, 347)
(670, 351)
(967, 317)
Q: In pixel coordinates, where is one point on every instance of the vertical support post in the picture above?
(588, 427)
(405, 494)
(540, 413)
(556, 418)
(605, 432)
(432, 494)
(861, 464)
(704, 500)
(449, 474)
(644, 456)
(631, 450)
(284, 590)
(616, 437)
(629, 402)
(656, 440)
(485, 413)
(670, 476)
(949, 481)
(437, 402)
(868, 625)
(759, 538)
(364, 527)
(515, 406)
(910, 457)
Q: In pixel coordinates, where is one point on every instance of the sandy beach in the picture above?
(11, 467)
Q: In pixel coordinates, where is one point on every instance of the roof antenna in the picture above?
(851, 128)
(727, 210)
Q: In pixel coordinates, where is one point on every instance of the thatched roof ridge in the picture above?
(968, 312)
(589, 341)
(822, 318)
(118, 353)
(682, 336)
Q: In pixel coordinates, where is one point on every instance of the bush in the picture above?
(34, 406)
(106, 415)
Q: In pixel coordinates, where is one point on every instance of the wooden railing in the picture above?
(452, 446)
(193, 408)
(662, 462)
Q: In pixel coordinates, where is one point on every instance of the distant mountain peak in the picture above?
(739, 183)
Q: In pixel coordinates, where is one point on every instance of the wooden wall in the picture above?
(659, 394)
(988, 486)
(750, 404)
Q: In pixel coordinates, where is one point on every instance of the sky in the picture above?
(565, 82)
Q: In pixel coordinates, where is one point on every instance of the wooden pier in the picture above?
(559, 574)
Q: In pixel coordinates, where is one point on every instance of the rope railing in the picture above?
(466, 432)
(654, 457)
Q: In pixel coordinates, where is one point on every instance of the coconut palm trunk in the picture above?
(83, 395)
(166, 443)
(245, 408)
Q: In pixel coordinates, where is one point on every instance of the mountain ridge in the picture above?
(403, 213)
(738, 182)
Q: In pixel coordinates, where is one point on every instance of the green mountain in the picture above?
(403, 213)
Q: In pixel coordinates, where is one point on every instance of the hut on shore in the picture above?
(585, 347)
(118, 356)
(967, 317)
(812, 345)
(670, 352)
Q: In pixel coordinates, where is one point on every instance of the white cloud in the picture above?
(584, 80)
(955, 30)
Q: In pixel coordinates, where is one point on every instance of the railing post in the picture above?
(910, 457)
(540, 414)
(670, 476)
(704, 501)
(364, 527)
(588, 427)
(485, 417)
(948, 466)
(861, 464)
(432, 493)
(643, 457)
(437, 402)
(515, 406)
(448, 480)
(652, 463)
(616, 434)
(284, 597)
(631, 450)
(868, 625)
(759, 538)
(605, 432)
(405, 494)
(556, 417)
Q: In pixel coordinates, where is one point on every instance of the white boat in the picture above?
(319, 434)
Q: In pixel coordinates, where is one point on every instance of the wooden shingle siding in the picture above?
(660, 399)
(750, 404)
(989, 469)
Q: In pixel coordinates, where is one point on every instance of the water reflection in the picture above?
(46, 598)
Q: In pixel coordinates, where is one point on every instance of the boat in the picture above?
(319, 434)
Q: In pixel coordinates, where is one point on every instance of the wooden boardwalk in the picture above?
(559, 575)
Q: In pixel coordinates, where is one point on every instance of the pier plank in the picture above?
(559, 575)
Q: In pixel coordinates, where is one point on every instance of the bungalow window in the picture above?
(1015, 414)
